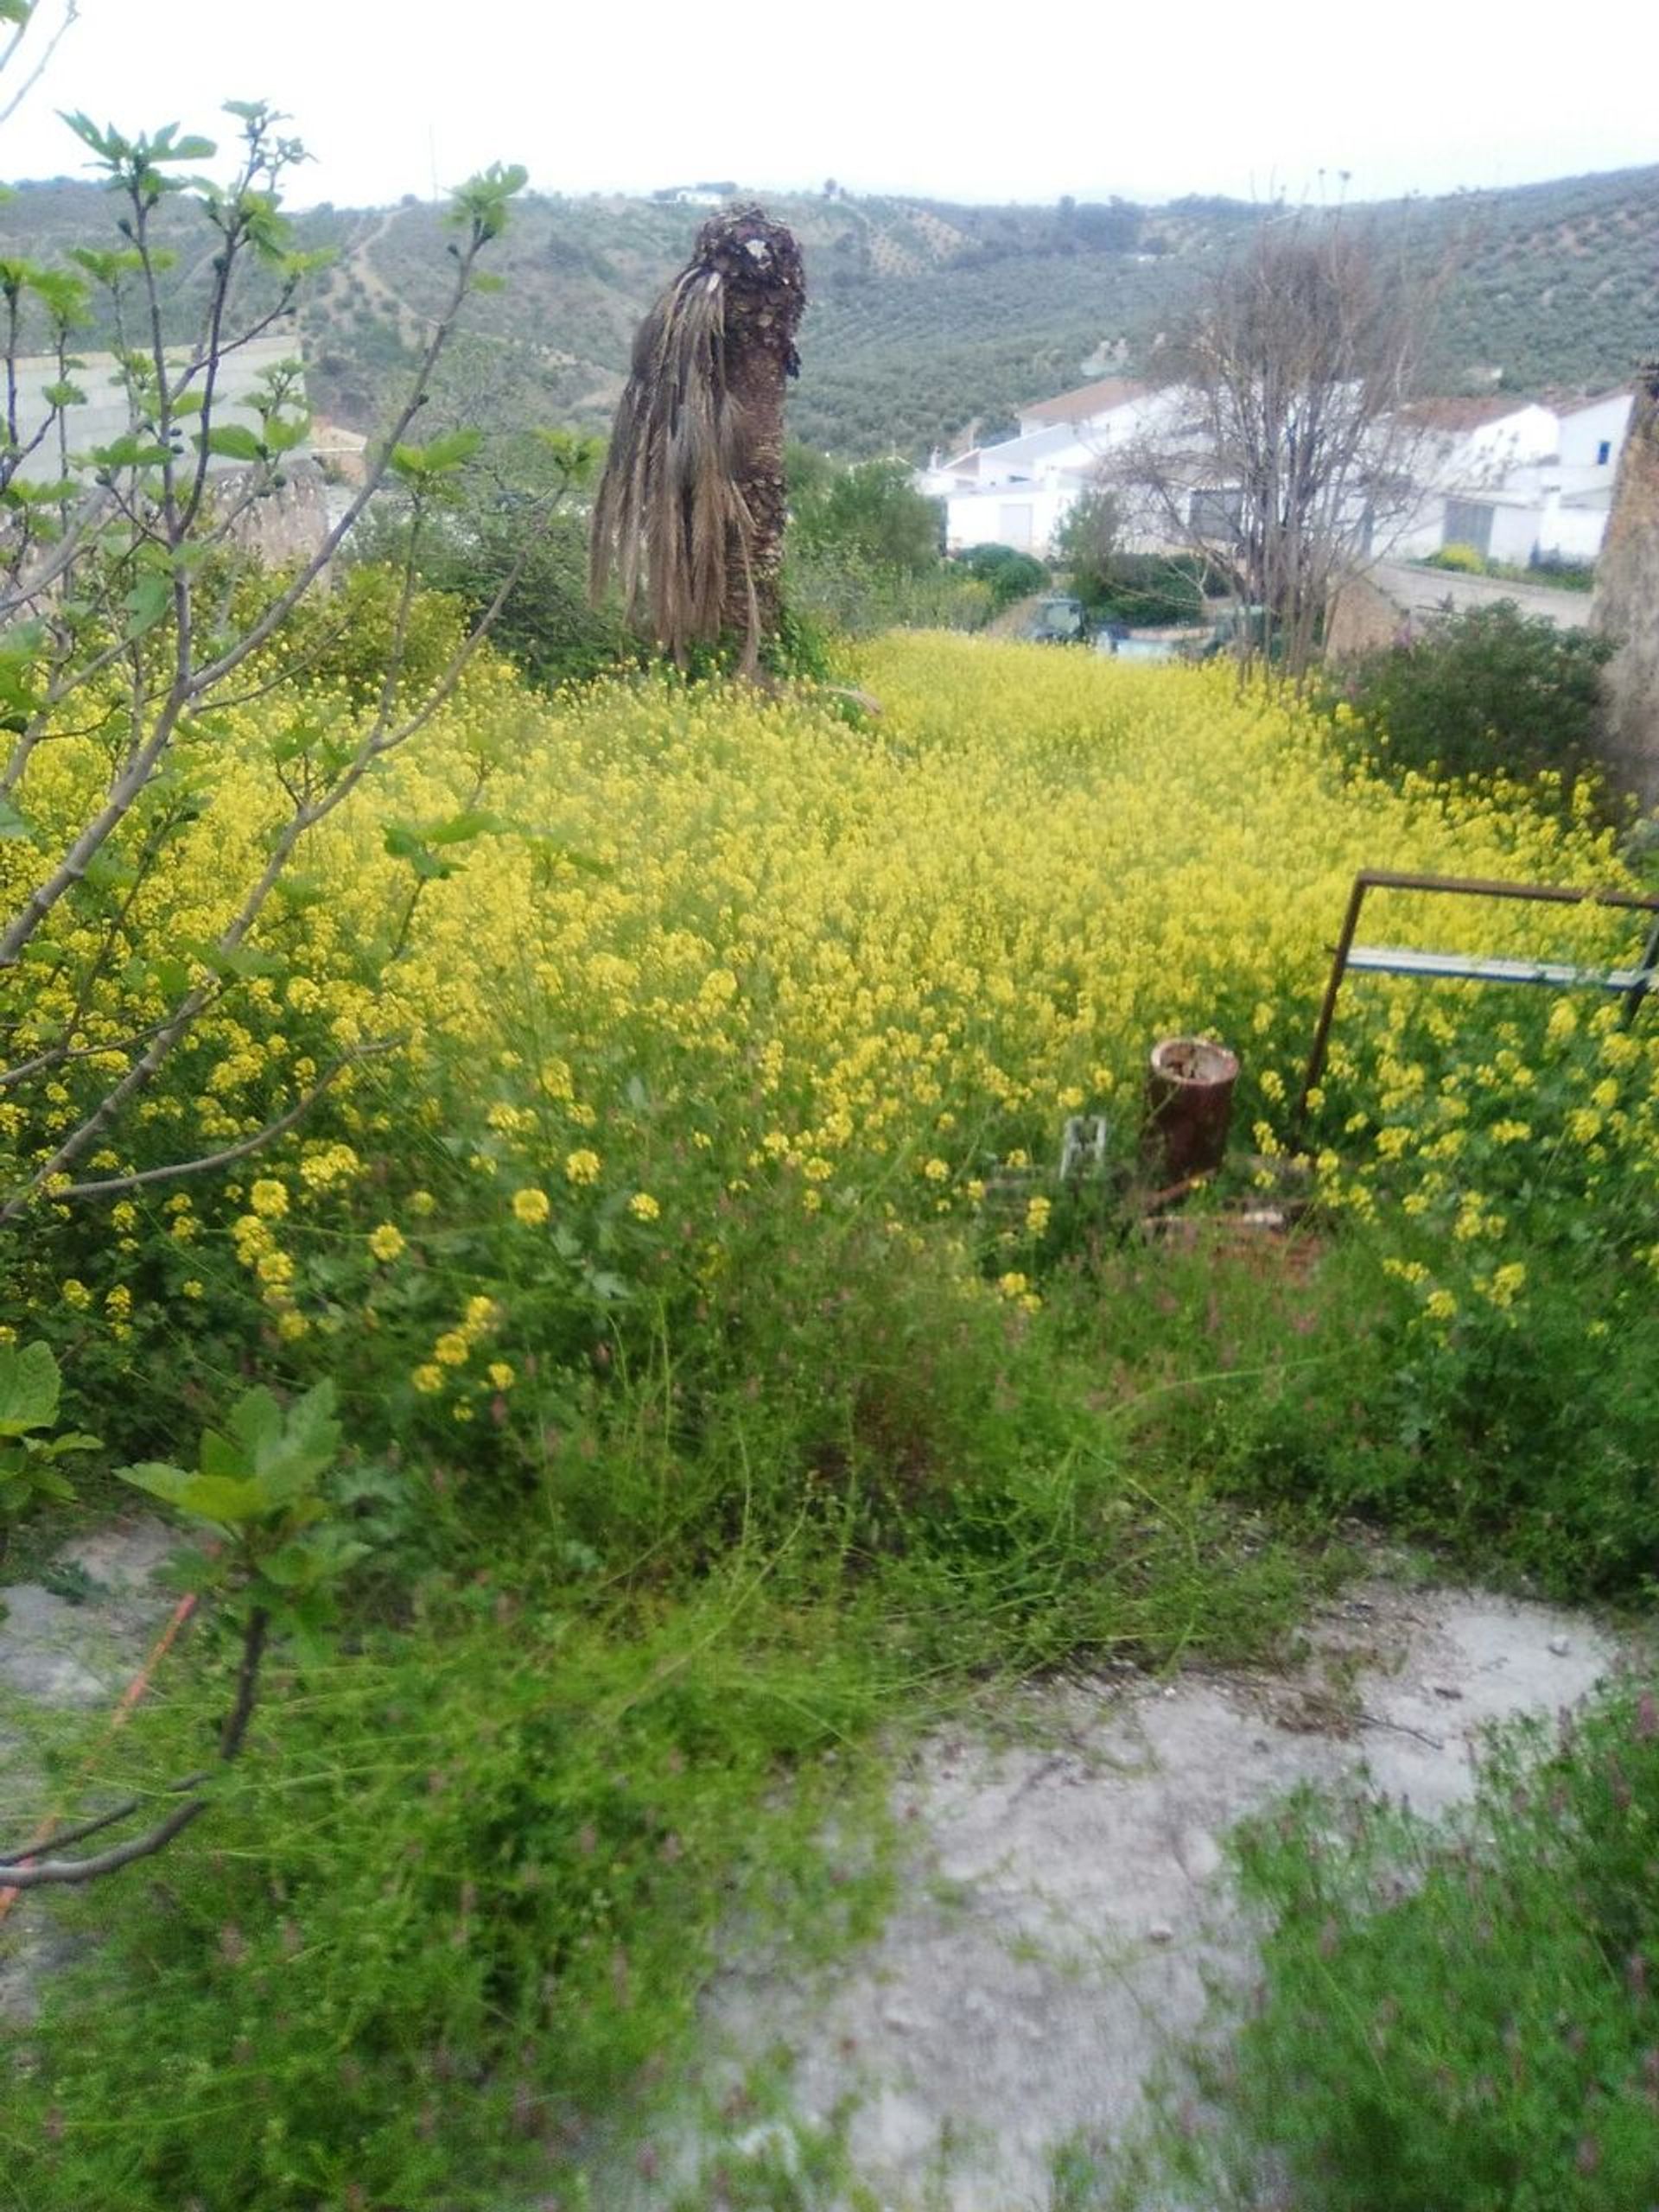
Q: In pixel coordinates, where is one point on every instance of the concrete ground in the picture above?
(64, 1652)
(1067, 1899)
(1063, 1906)
(1420, 590)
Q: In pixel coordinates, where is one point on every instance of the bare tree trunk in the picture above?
(1626, 605)
(760, 266)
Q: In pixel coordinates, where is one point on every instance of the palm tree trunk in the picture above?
(760, 265)
(690, 513)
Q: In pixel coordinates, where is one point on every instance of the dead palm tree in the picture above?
(690, 512)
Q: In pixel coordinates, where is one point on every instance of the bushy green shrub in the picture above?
(1487, 691)
(1562, 573)
(845, 590)
(1010, 574)
(872, 511)
(545, 623)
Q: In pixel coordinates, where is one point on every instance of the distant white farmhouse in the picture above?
(1020, 492)
(1515, 478)
(1491, 476)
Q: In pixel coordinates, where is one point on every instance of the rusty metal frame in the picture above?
(1634, 983)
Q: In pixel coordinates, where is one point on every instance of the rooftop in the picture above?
(1098, 398)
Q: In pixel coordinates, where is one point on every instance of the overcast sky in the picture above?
(961, 102)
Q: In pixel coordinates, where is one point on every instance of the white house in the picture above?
(1090, 402)
(1019, 490)
(1515, 479)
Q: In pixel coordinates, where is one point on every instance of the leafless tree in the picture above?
(1284, 451)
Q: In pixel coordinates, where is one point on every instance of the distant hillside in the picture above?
(928, 320)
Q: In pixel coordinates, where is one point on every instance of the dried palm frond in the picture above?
(671, 519)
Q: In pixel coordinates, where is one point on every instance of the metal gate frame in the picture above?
(1632, 983)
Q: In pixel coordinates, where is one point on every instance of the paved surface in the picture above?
(1067, 1897)
(1423, 591)
(63, 1654)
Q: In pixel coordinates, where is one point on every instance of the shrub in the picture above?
(1461, 560)
(545, 623)
(873, 510)
(1489, 690)
(1011, 575)
(1562, 572)
(845, 590)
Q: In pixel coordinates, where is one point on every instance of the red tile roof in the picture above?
(1088, 399)
(1465, 414)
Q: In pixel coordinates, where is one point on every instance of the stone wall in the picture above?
(1626, 606)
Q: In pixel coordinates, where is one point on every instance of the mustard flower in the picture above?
(582, 1167)
(269, 1199)
(532, 1206)
(452, 1349)
(386, 1241)
(427, 1378)
(643, 1206)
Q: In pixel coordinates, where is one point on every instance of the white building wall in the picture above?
(1515, 532)
(1026, 516)
(1584, 431)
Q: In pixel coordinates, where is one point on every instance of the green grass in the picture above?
(1461, 2014)
(447, 1928)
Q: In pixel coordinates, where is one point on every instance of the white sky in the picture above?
(969, 101)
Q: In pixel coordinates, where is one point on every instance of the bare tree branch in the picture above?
(70, 14)
(46, 1871)
(82, 1829)
(111, 1186)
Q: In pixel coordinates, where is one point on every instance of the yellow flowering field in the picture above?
(700, 1406)
(601, 994)
(858, 963)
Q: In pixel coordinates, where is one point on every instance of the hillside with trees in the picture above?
(928, 322)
